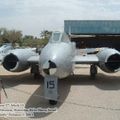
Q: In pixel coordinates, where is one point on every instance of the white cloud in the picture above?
(32, 16)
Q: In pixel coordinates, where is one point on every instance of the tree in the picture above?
(2, 31)
(26, 37)
(15, 36)
(12, 36)
(45, 34)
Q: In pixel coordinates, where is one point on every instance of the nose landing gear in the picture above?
(51, 89)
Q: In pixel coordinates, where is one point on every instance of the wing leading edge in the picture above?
(85, 59)
(34, 59)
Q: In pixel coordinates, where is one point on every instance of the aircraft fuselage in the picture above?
(57, 58)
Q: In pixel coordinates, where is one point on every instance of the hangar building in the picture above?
(94, 33)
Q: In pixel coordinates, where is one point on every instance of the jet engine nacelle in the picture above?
(109, 60)
(16, 60)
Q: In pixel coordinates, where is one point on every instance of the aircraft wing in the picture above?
(34, 59)
(85, 59)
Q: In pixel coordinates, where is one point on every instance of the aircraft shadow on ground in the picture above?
(14, 80)
(101, 81)
(36, 100)
(39, 101)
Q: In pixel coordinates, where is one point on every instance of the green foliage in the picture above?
(10, 36)
(16, 37)
(45, 34)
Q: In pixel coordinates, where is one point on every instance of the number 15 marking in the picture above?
(50, 84)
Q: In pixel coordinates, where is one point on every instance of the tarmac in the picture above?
(81, 98)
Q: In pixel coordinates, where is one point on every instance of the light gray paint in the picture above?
(57, 59)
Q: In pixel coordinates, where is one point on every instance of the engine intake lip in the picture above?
(10, 62)
(113, 62)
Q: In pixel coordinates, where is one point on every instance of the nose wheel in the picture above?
(52, 102)
(93, 71)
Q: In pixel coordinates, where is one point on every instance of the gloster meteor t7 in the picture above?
(56, 60)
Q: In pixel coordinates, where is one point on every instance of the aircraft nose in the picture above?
(49, 68)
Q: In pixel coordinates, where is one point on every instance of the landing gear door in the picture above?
(51, 87)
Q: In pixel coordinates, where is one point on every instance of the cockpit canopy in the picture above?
(59, 37)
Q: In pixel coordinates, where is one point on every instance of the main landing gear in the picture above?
(35, 71)
(93, 71)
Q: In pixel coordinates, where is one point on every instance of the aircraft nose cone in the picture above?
(49, 68)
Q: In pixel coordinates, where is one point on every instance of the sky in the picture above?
(34, 16)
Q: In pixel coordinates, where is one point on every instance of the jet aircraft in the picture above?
(56, 61)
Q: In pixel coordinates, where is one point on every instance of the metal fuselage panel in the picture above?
(61, 54)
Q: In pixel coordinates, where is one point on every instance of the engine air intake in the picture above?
(113, 62)
(10, 61)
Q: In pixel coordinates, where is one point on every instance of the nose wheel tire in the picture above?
(52, 102)
(93, 71)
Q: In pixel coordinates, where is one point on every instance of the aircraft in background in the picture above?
(4, 49)
(56, 61)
